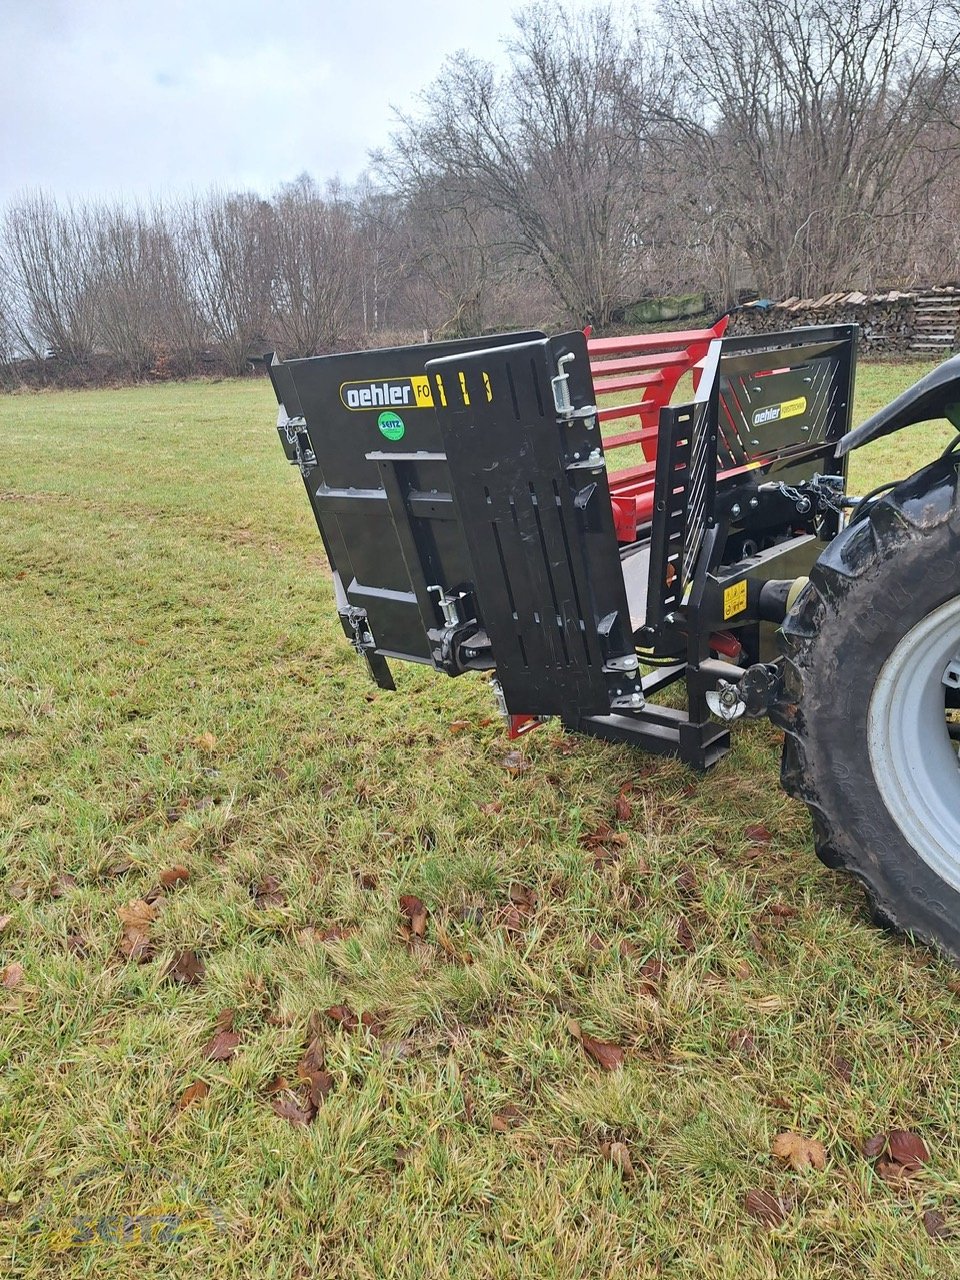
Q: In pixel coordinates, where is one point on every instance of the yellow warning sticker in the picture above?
(734, 599)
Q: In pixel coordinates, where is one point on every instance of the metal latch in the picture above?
(295, 430)
(561, 389)
(449, 605)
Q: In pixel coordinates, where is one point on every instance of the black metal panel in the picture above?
(530, 484)
(365, 435)
(784, 397)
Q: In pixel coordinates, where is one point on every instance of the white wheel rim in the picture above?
(914, 761)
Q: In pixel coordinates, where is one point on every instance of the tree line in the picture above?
(720, 146)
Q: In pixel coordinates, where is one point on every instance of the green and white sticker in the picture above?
(391, 425)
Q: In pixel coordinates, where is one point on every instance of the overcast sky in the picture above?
(141, 97)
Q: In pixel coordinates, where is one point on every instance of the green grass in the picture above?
(160, 580)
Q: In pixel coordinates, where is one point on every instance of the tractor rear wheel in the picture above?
(872, 704)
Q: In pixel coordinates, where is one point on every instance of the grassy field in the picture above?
(175, 692)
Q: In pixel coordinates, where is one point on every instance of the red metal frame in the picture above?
(652, 363)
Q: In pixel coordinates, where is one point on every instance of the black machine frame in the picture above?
(462, 495)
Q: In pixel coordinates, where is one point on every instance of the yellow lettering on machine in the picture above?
(463, 389)
(422, 392)
(734, 599)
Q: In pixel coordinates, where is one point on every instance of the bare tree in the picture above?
(233, 264)
(51, 275)
(806, 119)
(317, 261)
(566, 146)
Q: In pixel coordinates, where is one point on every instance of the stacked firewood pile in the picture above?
(921, 322)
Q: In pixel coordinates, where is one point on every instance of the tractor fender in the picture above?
(937, 395)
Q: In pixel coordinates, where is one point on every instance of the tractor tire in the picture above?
(871, 679)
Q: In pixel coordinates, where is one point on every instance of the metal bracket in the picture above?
(295, 430)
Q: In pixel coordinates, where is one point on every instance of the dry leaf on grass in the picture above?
(459, 726)
(907, 1149)
(767, 1208)
(799, 1152)
(62, 884)
(193, 1093)
(685, 935)
(136, 918)
(173, 875)
(415, 914)
(618, 1153)
(623, 809)
(186, 968)
(11, 976)
(608, 1056)
(935, 1225)
(506, 1118)
(205, 742)
(222, 1047)
(514, 763)
(758, 833)
(287, 1109)
(742, 1043)
(344, 1016)
(4, 921)
(268, 893)
(874, 1146)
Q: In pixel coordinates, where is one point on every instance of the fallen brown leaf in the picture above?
(459, 726)
(62, 884)
(193, 1093)
(874, 1146)
(205, 741)
(416, 914)
(891, 1172)
(618, 1153)
(687, 883)
(685, 934)
(506, 1118)
(653, 971)
(173, 875)
(224, 1020)
(491, 807)
(4, 921)
(136, 918)
(514, 763)
(907, 1149)
(344, 1016)
(758, 833)
(76, 943)
(742, 1043)
(222, 1047)
(842, 1067)
(767, 1208)
(608, 1056)
(11, 976)
(523, 898)
(268, 893)
(781, 911)
(287, 1109)
(935, 1225)
(799, 1152)
(623, 809)
(186, 968)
